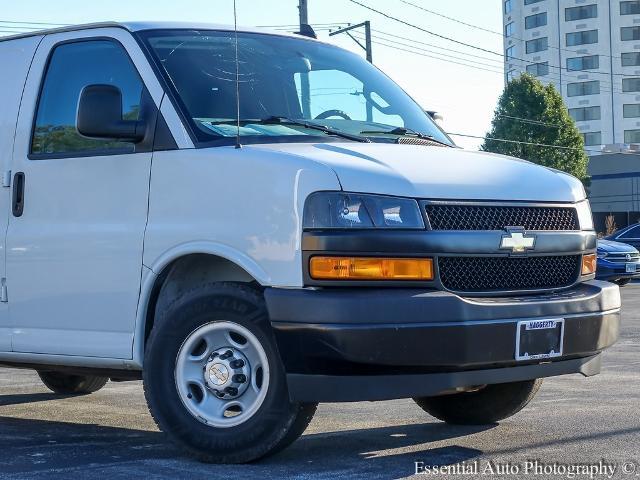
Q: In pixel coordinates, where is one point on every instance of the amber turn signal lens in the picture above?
(368, 268)
(589, 264)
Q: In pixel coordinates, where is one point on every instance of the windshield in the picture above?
(286, 85)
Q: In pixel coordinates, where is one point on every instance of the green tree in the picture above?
(530, 112)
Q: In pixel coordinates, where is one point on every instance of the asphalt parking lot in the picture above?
(110, 434)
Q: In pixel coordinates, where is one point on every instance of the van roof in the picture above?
(141, 26)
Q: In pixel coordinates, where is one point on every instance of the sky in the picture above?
(465, 94)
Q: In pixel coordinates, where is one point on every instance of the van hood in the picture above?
(436, 172)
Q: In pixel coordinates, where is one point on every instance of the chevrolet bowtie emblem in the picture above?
(517, 241)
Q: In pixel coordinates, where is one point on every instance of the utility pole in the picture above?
(305, 88)
(367, 37)
(367, 47)
(304, 13)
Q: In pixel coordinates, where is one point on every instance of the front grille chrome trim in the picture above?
(622, 258)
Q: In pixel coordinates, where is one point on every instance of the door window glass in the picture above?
(72, 67)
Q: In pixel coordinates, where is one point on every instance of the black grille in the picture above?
(486, 274)
(487, 217)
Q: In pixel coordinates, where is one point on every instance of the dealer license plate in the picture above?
(631, 267)
(536, 339)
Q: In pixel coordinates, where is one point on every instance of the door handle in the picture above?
(18, 194)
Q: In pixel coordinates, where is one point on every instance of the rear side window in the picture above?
(73, 66)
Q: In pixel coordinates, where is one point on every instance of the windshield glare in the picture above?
(282, 77)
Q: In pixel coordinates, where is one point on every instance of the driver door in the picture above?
(74, 251)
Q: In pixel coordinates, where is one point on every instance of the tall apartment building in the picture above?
(590, 50)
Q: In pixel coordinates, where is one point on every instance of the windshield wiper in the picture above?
(403, 132)
(312, 126)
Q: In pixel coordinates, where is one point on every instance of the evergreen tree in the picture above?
(528, 111)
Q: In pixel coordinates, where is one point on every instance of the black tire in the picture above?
(277, 422)
(66, 384)
(488, 405)
(622, 281)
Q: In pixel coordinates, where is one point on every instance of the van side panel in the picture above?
(15, 59)
(242, 204)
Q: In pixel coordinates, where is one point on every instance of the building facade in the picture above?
(615, 189)
(590, 51)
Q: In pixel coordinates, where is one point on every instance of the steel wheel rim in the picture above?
(198, 388)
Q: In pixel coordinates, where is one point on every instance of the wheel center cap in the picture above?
(218, 374)
(227, 373)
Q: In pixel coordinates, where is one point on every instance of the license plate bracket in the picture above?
(539, 339)
(631, 268)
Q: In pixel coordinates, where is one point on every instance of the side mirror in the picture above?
(437, 117)
(99, 115)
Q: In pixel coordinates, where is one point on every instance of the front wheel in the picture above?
(490, 404)
(213, 378)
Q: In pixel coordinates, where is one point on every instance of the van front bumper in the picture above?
(376, 344)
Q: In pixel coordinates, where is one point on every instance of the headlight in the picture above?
(602, 254)
(584, 215)
(354, 210)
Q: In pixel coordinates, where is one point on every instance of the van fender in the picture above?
(150, 274)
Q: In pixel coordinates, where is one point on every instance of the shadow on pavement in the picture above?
(368, 452)
(19, 399)
(40, 446)
(31, 445)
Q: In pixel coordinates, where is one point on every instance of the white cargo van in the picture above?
(253, 237)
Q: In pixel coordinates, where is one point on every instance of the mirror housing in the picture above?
(99, 115)
(436, 116)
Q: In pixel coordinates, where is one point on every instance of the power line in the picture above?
(501, 61)
(485, 67)
(13, 27)
(35, 23)
(528, 120)
(444, 37)
(295, 25)
(406, 2)
(452, 19)
(420, 51)
(462, 61)
(396, 19)
(381, 32)
(435, 58)
(560, 147)
(359, 37)
(555, 76)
